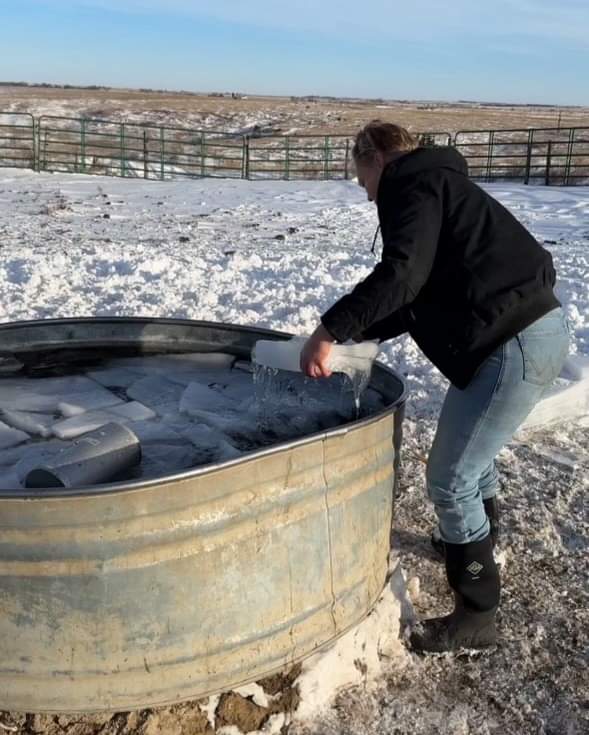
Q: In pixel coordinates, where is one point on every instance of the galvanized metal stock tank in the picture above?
(149, 592)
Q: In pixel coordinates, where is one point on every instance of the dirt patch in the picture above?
(188, 718)
(236, 710)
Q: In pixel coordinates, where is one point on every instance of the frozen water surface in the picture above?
(187, 410)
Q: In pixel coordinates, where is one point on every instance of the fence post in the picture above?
(202, 154)
(569, 158)
(287, 159)
(245, 157)
(83, 144)
(548, 162)
(122, 151)
(162, 153)
(145, 169)
(346, 159)
(490, 156)
(529, 157)
(326, 154)
(34, 142)
(45, 151)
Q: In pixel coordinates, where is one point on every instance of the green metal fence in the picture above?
(137, 150)
(134, 150)
(155, 152)
(537, 155)
(17, 140)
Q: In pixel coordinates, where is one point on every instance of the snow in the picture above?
(276, 255)
(233, 267)
(358, 657)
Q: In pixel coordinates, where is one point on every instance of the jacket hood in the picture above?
(426, 159)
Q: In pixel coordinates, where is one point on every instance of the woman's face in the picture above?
(369, 173)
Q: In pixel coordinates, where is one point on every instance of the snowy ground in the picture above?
(276, 255)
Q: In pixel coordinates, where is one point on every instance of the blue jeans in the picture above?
(475, 423)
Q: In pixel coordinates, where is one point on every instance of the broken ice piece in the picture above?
(177, 368)
(156, 392)
(23, 401)
(204, 398)
(80, 424)
(231, 424)
(37, 424)
(10, 437)
(155, 432)
(160, 459)
(41, 394)
(132, 411)
(92, 400)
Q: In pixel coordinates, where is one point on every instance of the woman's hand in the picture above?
(315, 353)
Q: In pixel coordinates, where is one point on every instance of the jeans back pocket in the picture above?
(543, 354)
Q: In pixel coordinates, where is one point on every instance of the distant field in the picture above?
(279, 115)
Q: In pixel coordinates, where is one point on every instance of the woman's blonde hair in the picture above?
(381, 137)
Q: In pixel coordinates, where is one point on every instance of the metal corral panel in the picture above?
(146, 593)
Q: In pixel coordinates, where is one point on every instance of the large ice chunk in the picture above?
(80, 424)
(209, 441)
(10, 437)
(157, 392)
(91, 400)
(36, 424)
(177, 368)
(230, 423)
(42, 395)
(199, 397)
(349, 359)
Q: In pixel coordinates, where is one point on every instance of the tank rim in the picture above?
(138, 485)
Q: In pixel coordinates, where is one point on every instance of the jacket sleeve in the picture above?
(410, 218)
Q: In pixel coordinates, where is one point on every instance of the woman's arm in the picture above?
(411, 219)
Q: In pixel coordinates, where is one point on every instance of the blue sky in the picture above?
(501, 50)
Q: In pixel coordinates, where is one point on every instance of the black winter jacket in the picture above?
(458, 271)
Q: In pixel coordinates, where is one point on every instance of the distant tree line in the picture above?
(46, 85)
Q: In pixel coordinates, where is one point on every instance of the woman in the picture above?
(475, 291)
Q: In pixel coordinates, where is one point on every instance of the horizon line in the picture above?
(345, 98)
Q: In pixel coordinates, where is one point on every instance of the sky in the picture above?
(522, 51)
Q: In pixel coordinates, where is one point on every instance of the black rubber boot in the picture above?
(492, 511)
(473, 576)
